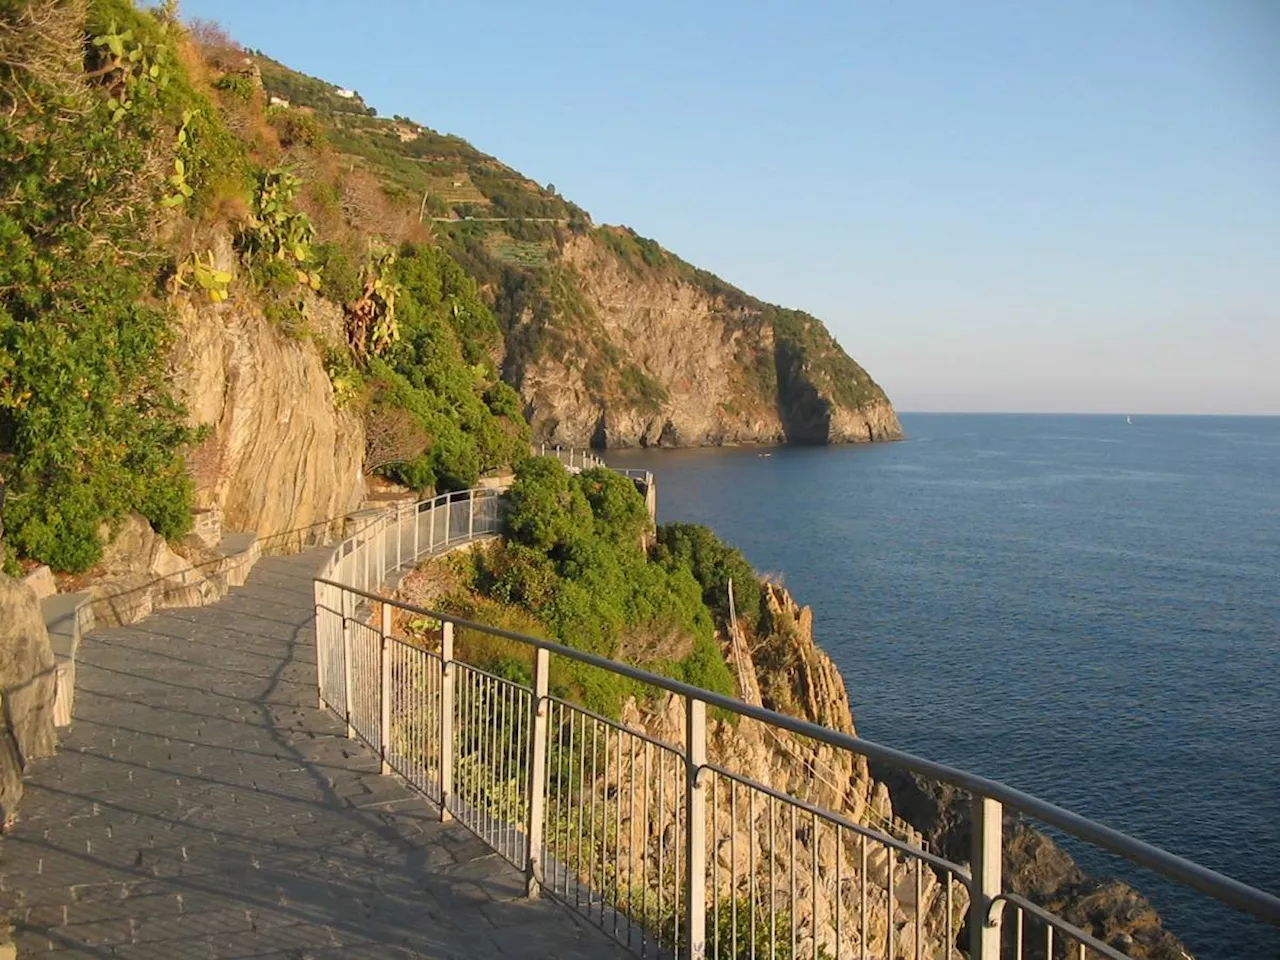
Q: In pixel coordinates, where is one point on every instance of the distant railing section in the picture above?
(572, 458)
(669, 853)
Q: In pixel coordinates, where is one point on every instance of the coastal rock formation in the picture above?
(787, 671)
(654, 353)
(27, 688)
(279, 455)
(1038, 869)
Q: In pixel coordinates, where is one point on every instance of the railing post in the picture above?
(431, 540)
(384, 735)
(322, 637)
(446, 722)
(381, 565)
(346, 663)
(695, 793)
(534, 867)
(448, 511)
(984, 929)
(399, 535)
(471, 513)
(417, 522)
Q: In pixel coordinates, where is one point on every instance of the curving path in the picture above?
(202, 807)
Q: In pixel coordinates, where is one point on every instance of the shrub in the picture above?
(339, 273)
(87, 159)
(544, 509)
(713, 564)
(574, 557)
(296, 129)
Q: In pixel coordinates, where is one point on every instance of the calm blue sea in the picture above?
(1085, 609)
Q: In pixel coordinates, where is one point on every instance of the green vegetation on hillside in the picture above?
(575, 563)
(441, 372)
(98, 140)
(124, 146)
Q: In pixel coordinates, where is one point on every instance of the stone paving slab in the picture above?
(202, 808)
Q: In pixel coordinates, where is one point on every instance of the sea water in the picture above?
(1084, 608)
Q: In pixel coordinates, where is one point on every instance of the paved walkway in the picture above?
(202, 807)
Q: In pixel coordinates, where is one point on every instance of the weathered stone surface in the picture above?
(41, 581)
(279, 455)
(203, 807)
(140, 572)
(717, 364)
(27, 688)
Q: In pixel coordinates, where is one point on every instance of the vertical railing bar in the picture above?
(813, 886)
(500, 702)
(447, 675)
(773, 886)
(919, 906)
(888, 885)
(631, 842)
(950, 936)
(384, 728)
(496, 708)
(792, 848)
(1017, 921)
(510, 727)
(662, 818)
(839, 891)
(695, 827)
(715, 865)
(617, 833)
(582, 785)
(751, 801)
(679, 765)
(862, 900)
(987, 884)
(346, 661)
(733, 869)
(647, 925)
(591, 853)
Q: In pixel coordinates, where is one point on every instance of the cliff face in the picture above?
(278, 454)
(27, 689)
(1038, 869)
(653, 353)
(784, 669)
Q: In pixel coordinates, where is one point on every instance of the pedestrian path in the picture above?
(202, 807)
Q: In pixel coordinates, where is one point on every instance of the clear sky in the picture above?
(995, 205)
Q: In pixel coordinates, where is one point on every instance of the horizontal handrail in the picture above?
(1057, 923)
(1226, 889)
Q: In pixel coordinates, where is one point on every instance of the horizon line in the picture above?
(1080, 413)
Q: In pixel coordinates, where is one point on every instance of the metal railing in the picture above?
(647, 837)
(572, 458)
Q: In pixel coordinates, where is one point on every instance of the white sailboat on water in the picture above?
(1128, 420)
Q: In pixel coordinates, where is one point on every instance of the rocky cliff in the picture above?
(875, 887)
(650, 352)
(278, 454)
(27, 689)
(1038, 869)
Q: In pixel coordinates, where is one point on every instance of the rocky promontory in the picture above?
(651, 352)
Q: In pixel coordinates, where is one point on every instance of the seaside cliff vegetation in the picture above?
(160, 181)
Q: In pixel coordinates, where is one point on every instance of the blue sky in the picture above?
(1062, 205)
